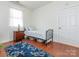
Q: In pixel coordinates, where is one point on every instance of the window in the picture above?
(16, 18)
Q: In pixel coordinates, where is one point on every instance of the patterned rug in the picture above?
(23, 49)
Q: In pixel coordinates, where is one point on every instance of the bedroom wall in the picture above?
(6, 32)
(48, 17)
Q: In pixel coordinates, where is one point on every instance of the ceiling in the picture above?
(33, 4)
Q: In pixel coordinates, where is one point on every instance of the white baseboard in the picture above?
(5, 41)
(63, 42)
(67, 43)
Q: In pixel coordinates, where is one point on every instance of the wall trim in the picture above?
(5, 41)
(67, 43)
(63, 42)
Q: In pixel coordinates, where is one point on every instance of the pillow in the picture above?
(28, 28)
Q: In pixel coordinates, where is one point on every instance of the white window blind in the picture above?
(16, 18)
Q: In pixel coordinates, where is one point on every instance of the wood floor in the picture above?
(56, 49)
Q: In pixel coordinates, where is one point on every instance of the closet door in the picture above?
(66, 25)
(76, 34)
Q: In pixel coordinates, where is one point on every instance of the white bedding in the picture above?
(35, 34)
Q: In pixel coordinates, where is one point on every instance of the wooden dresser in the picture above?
(18, 35)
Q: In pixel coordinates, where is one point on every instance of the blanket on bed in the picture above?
(23, 49)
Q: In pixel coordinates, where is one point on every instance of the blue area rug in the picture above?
(23, 49)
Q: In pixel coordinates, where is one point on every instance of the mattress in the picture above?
(35, 34)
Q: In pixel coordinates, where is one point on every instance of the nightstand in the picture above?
(18, 35)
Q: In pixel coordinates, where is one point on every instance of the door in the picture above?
(67, 25)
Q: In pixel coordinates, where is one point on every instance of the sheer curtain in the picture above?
(16, 18)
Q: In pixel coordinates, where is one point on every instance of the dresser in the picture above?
(18, 35)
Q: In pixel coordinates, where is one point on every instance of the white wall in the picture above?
(6, 32)
(48, 17)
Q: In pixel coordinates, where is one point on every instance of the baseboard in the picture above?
(5, 41)
(63, 42)
(67, 43)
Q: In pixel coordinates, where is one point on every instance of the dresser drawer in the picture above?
(18, 35)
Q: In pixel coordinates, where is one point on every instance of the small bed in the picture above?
(41, 37)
